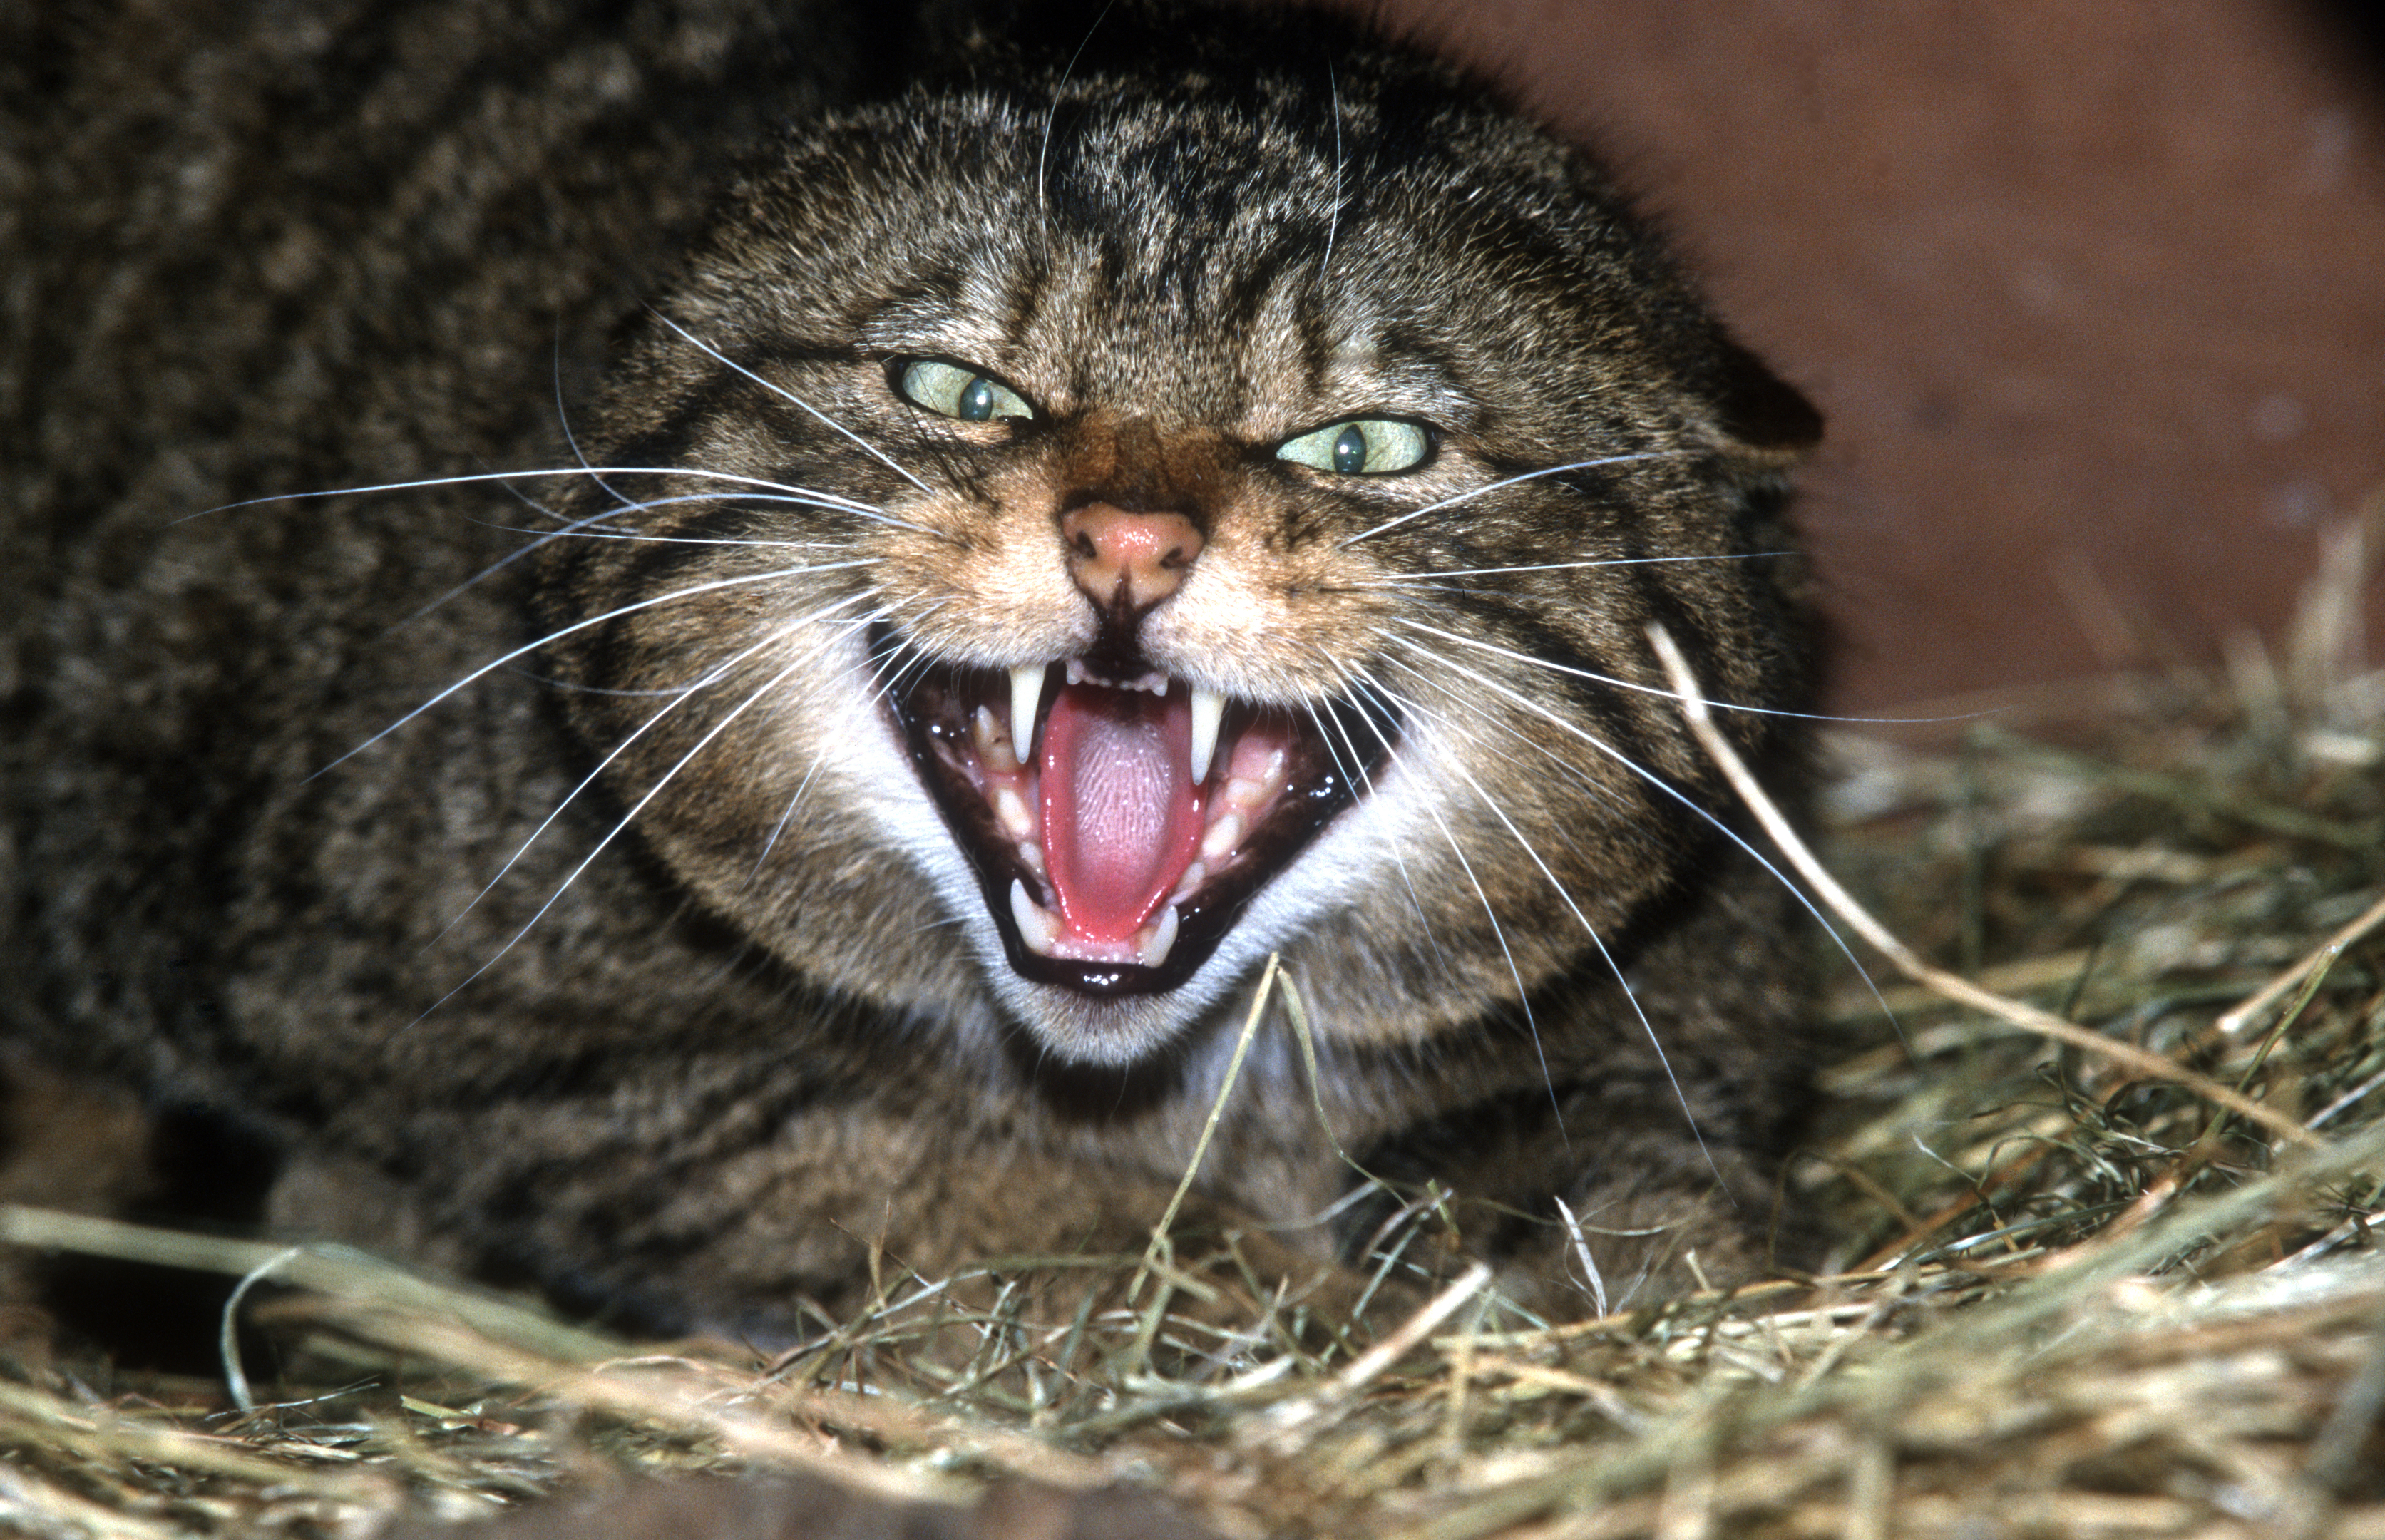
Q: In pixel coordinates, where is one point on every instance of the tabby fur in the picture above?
(537, 865)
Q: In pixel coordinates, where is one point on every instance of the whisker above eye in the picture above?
(1043, 151)
(776, 389)
(1511, 481)
(1333, 223)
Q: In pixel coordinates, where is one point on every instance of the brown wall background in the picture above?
(2092, 296)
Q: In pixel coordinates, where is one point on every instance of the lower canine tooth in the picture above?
(1038, 926)
(1155, 941)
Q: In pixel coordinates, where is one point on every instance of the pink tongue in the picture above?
(1121, 815)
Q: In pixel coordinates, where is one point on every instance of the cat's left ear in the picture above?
(1761, 416)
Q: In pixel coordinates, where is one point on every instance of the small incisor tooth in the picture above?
(1208, 710)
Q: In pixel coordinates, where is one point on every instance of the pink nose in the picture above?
(1128, 560)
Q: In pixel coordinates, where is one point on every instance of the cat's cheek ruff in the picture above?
(872, 766)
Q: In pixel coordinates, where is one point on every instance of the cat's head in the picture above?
(1141, 517)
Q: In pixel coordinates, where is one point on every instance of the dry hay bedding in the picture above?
(2072, 1294)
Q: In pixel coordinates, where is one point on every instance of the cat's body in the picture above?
(1050, 362)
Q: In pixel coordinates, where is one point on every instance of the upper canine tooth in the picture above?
(1208, 710)
(1026, 694)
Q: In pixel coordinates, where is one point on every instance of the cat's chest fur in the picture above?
(990, 564)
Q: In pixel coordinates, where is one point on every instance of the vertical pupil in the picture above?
(976, 400)
(1350, 451)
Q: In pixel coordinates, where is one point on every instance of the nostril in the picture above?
(1128, 559)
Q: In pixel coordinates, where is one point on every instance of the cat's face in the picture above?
(1159, 551)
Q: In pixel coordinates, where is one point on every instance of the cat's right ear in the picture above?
(1759, 415)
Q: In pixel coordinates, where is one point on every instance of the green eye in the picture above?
(951, 390)
(1370, 446)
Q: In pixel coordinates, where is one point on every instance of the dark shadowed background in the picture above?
(2091, 296)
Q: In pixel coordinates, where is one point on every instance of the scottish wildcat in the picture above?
(862, 567)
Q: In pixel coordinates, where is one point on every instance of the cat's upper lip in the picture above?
(1118, 844)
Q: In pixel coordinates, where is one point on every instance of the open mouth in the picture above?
(1119, 819)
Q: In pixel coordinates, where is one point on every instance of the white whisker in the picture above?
(808, 496)
(1356, 773)
(552, 636)
(562, 422)
(1677, 795)
(776, 389)
(1604, 679)
(788, 813)
(575, 533)
(1567, 566)
(575, 687)
(758, 694)
(1333, 219)
(1566, 897)
(803, 497)
(1043, 151)
(1527, 476)
(1499, 933)
(680, 697)
(602, 520)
